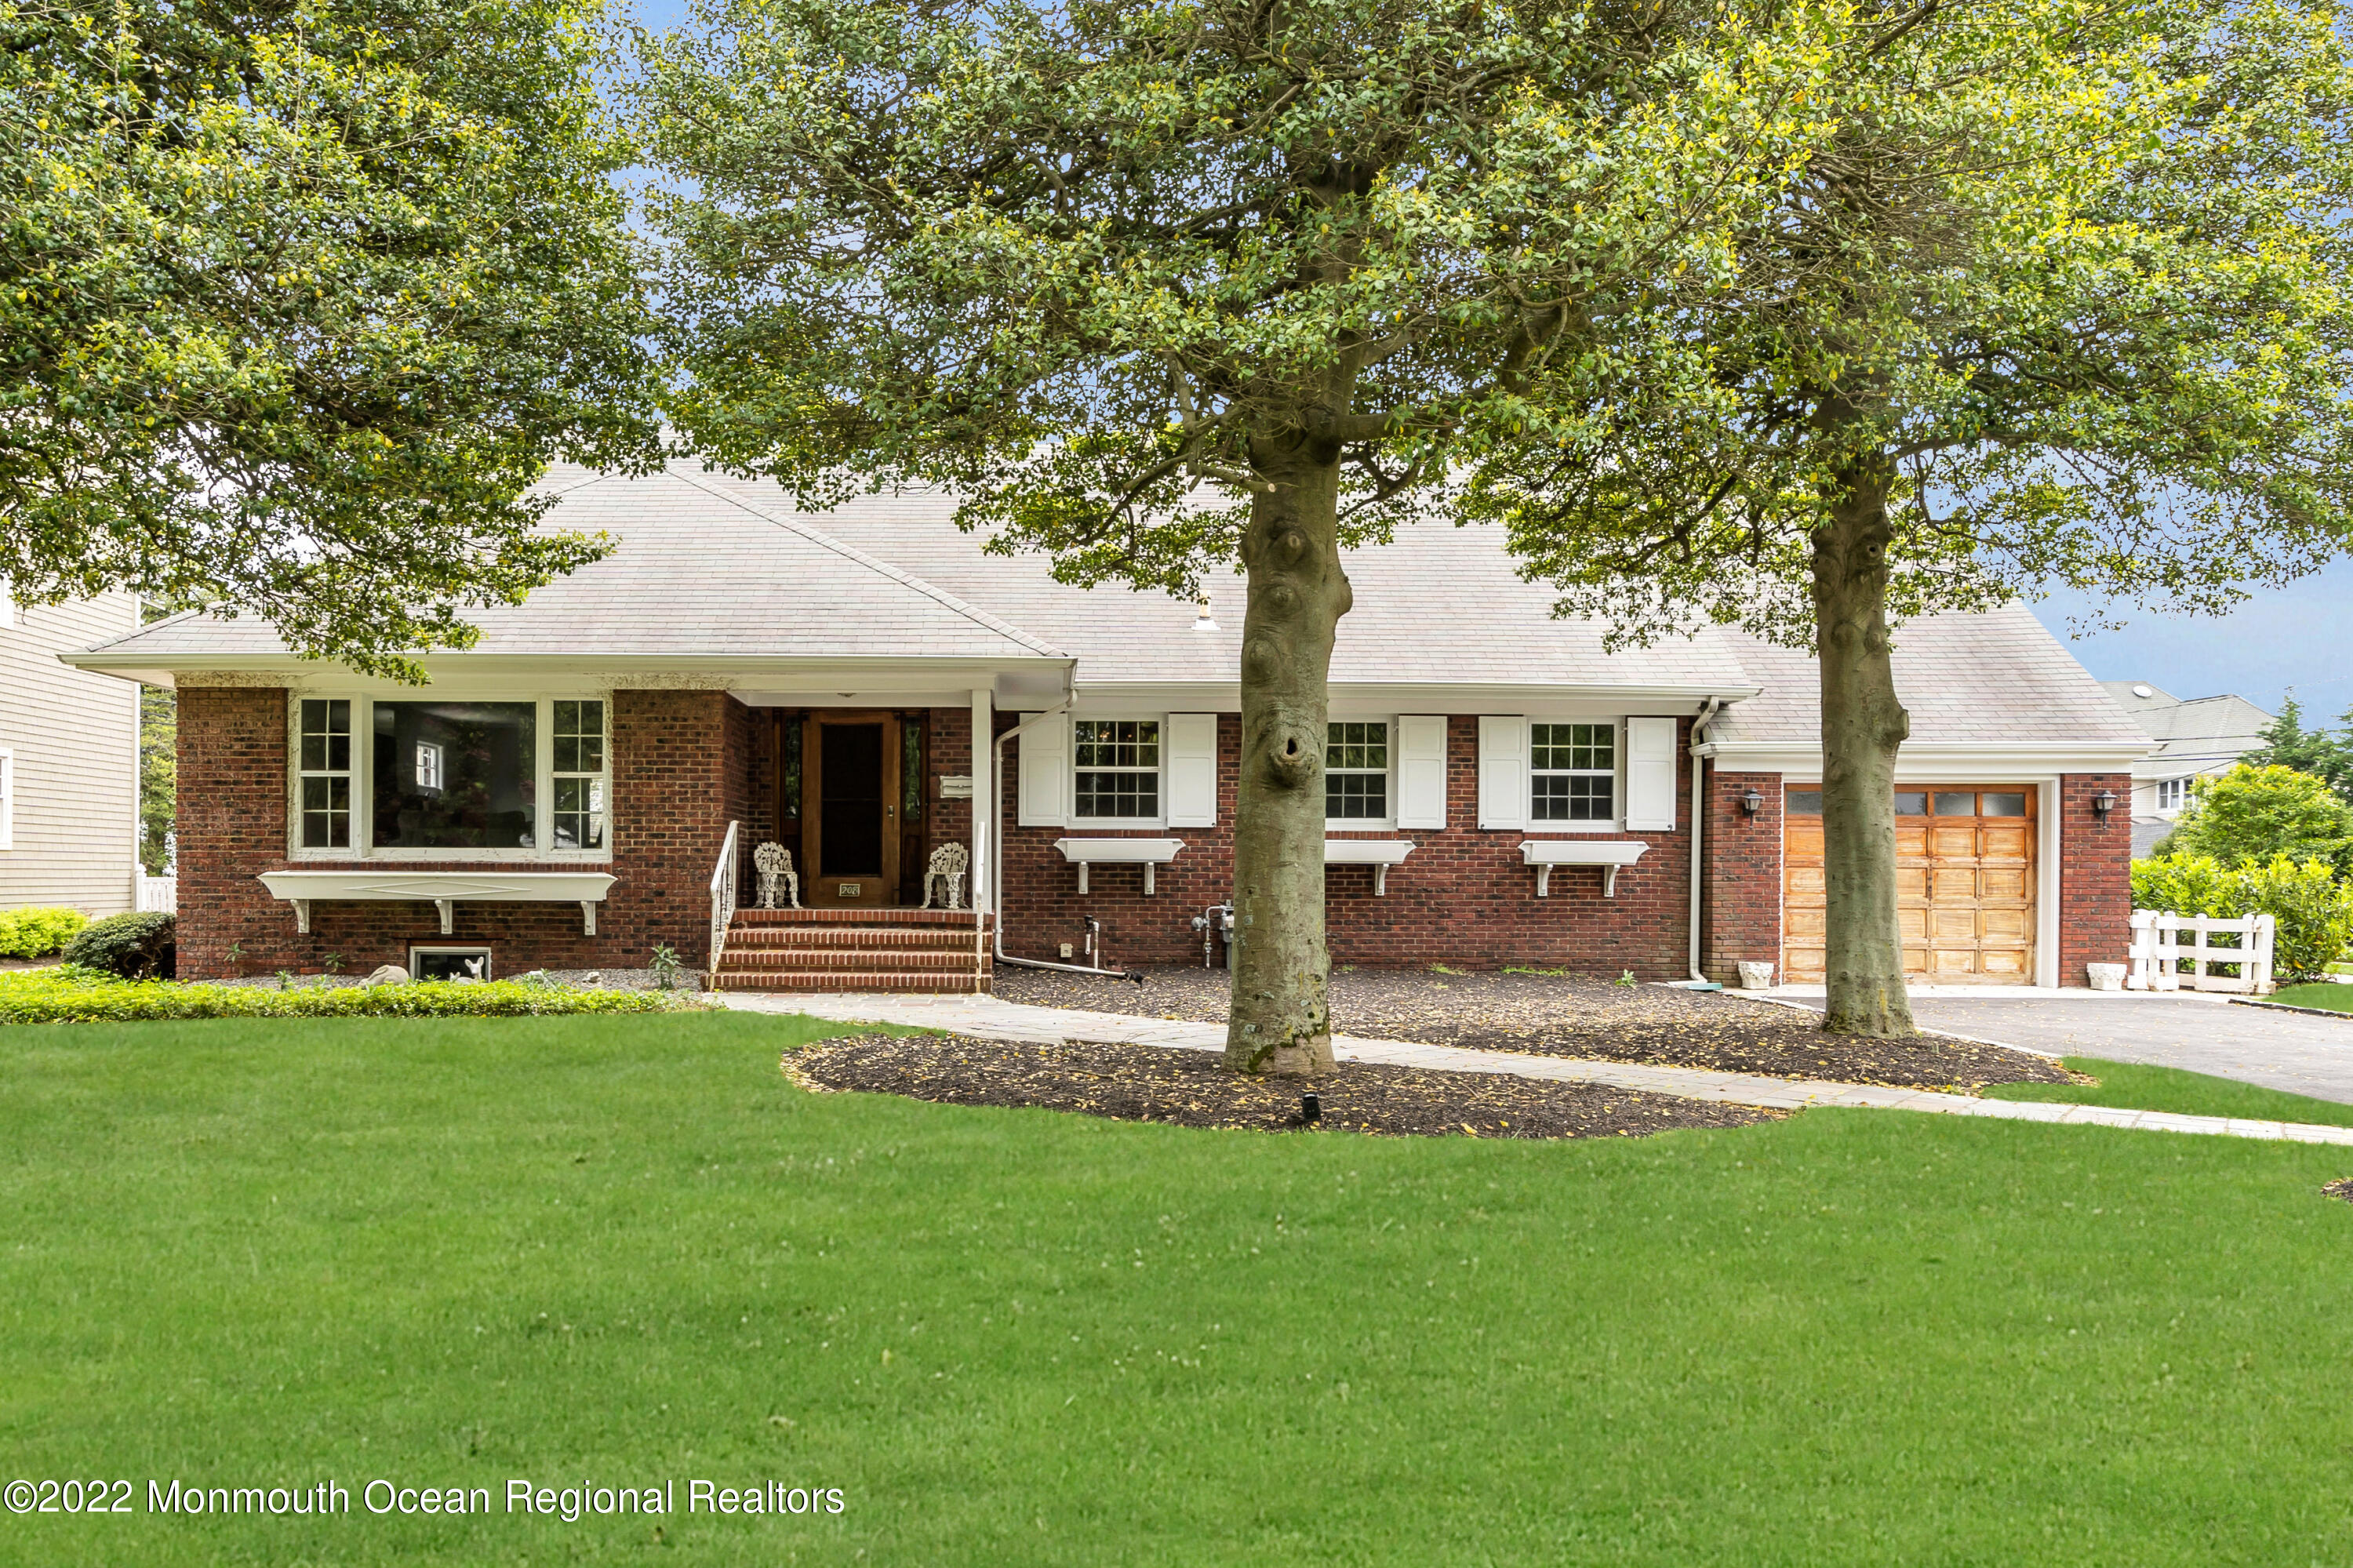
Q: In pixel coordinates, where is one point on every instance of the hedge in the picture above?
(67, 994)
(2315, 911)
(141, 945)
(36, 933)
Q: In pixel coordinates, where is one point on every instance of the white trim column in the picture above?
(983, 794)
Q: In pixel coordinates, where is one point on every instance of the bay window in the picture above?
(500, 779)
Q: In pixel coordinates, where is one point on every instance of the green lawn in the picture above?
(2321, 994)
(626, 1249)
(2170, 1089)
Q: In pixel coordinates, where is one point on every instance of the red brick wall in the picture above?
(1464, 897)
(2094, 875)
(680, 764)
(1740, 909)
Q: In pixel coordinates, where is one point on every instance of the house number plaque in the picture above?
(848, 889)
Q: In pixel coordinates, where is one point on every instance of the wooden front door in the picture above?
(850, 809)
(1964, 884)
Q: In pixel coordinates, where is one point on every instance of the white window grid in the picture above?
(357, 762)
(1358, 788)
(1116, 769)
(324, 764)
(1572, 773)
(2172, 794)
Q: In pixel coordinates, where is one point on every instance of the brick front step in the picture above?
(962, 920)
(880, 960)
(898, 939)
(947, 981)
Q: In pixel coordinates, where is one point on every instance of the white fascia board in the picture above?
(1931, 762)
(1375, 700)
(892, 674)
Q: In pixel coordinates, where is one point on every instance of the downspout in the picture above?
(996, 845)
(1699, 819)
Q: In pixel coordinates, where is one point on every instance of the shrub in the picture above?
(2314, 910)
(142, 946)
(37, 933)
(2255, 814)
(71, 994)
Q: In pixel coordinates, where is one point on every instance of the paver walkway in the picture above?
(991, 1019)
(2200, 1033)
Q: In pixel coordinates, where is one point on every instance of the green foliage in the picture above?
(37, 933)
(138, 946)
(1108, 267)
(296, 299)
(668, 971)
(2324, 753)
(2255, 813)
(159, 776)
(71, 995)
(2063, 292)
(2313, 907)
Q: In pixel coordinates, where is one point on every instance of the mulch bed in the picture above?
(2340, 1188)
(1192, 1088)
(1567, 1016)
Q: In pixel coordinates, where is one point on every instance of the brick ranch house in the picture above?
(1502, 789)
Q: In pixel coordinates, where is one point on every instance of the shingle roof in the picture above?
(1994, 679)
(700, 571)
(2196, 734)
(1439, 606)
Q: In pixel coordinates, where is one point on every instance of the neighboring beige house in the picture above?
(68, 760)
(2196, 738)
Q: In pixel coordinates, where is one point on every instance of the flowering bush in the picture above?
(2315, 911)
(71, 994)
(37, 933)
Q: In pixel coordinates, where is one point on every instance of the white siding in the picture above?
(74, 740)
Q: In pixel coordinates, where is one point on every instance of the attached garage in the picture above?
(1964, 884)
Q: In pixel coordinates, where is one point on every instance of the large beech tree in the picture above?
(2062, 296)
(298, 298)
(1162, 283)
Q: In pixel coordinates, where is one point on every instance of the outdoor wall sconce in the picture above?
(2102, 803)
(1752, 802)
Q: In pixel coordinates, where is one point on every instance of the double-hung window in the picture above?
(1357, 772)
(326, 772)
(1118, 768)
(2172, 794)
(579, 775)
(1572, 772)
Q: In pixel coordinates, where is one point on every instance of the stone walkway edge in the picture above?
(988, 1017)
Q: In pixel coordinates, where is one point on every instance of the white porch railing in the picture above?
(155, 892)
(723, 899)
(2163, 941)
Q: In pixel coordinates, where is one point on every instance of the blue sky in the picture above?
(2299, 636)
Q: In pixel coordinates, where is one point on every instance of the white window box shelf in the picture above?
(1149, 853)
(1546, 853)
(443, 889)
(1379, 854)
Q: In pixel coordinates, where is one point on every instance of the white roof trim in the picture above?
(1928, 761)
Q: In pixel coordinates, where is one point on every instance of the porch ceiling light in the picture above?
(2102, 803)
(1753, 802)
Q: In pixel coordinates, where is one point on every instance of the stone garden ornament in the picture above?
(774, 862)
(947, 866)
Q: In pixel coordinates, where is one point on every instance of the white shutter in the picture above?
(1421, 771)
(1192, 752)
(1651, 774)
(1503, 772)
(1042, 796)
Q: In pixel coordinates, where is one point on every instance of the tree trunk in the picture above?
(1280, 1017)
(1862, 725)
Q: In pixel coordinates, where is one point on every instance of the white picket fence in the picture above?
(156, 891)
(2162, 942)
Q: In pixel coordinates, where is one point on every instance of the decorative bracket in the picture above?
(587, 916)
(301, 916)
(449, 908)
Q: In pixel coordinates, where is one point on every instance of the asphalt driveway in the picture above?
(2292, 1051)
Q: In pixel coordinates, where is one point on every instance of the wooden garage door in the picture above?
(1964, 884)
